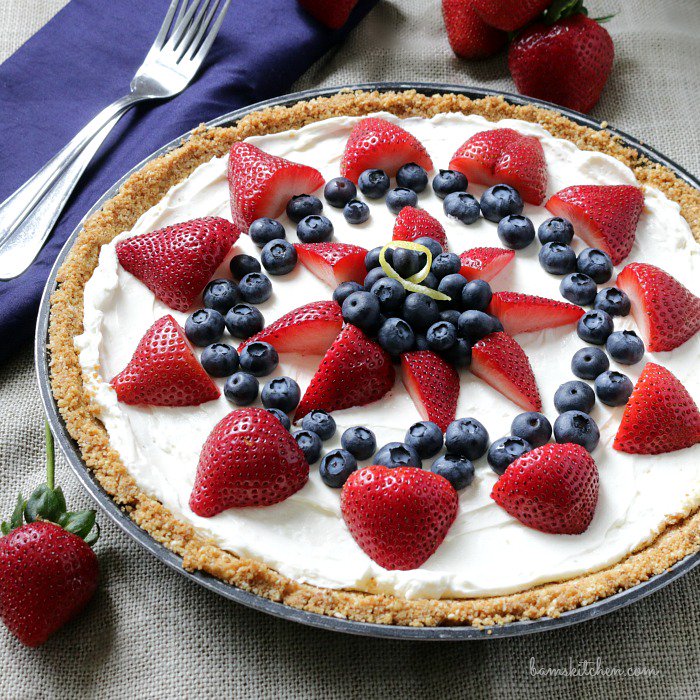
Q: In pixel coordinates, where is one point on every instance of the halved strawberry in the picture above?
(485, 263)
(553, 489)
(522, 313)
(377, 143)
(659, 417)
(398, 517)
(261, 184)
(164, 371)
(354, 372)
(503, 364)
(308, 330)
(176, 262)
(249, 459)
(433, 385)
(504, 156)
(604, 216)
(666, 312)
(412, 223)
(333, 262)
(333, 14)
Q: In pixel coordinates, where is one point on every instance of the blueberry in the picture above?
(309, 443)
(356, 212)
(204, 327)
(279, 257)
(476, 295)
(372, 257)
(595, 327)
(446, 264)
(459, 471)
(282, 393)
(557, 258)
(532, 427)
(264, 230)
(281, 416)
(242, 264)
(451, 316)
(613, 301)
(390, 293)
(400, 197)
(461, 206)
(467, 437)
(431, 244)
(244, 321)
(574, 396)
(359, 442)
(441, 336)
(499, 201)
(625, 347)
(497, 325)
(421, 342)
(578, 289)
(396, 336)
(362, 310)
(516, 231)
(460, 354)
(315, 229)
(412, 176)
(344, 290)
(420, 311)
(398, 454)
(577, 427)
(556, 230)
(373, 183)
(449, 181)
(336, 467)
(219, 360)
(613, 388)
(588, 363)
(259, 358)
(425, 437)
(430, 281)
(407, 262)
(474, 325)
(255, 287)
(504, 451)
(221, 295)
(241, 388)
(596, 264)
(302, 205)
(339, 191)
(320, 422)
(373, 275)
(452, 285)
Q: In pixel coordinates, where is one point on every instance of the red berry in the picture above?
(412, 223)
(333, 14)
(469, 36)
(485, 263)
(509, 15)
(333, 262)
(523, 313)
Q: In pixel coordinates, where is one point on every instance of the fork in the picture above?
(28, 215)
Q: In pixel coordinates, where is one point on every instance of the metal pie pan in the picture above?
(72, 452)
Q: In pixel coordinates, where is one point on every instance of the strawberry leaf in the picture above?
(15, 518)
(93, 535)
(561, 9)
(44, 504)
(79, 523)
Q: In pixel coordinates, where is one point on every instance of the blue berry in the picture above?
(219, 360)
(574, 396)
(588, 363)
(362, 310)
(339, 191)
(430, 281)
(595, 327)
(613, 388)
(516, 231)
(372, 257)
(596, 264)
(467, 437)
(282, 393)
(497, 325)
(356, 212)
(374, 184)
(390, 293)
(336, 467)
(625, 347)
(398, 454)
(449, 181)
(504, 451)
(376, 273)
(281, 417)
(461, 206)
(577, 427)
(242, 264)
(474, 325)
(302, 205)
(344, 290)
(499, 201)
(532, 427)
(451, 316)
(431, 244)
(259, 358)
(420, 311)
(557, 258)
(613, 301)
(408, 262)
(460, 354)
(204, 327)
(578, 289)
(556, 230)
(221, 295)
(359, 441)
(279, 257)
(476, 295)
(255, 288)
(241, 388)
(425, 437)
(244, 321)
(309, 443)
(412, 176)
(315, 229)
(400, 197)
(264, 230)
(421, 342)
(459, 471)
(446, 264)
(320, 422)
(441, 336)
(396, 336)
(452, 285)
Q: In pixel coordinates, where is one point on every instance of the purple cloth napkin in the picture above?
(84, 58)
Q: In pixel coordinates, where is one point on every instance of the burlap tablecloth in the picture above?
(149, 633)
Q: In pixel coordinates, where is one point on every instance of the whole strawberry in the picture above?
(469, 36)
(509, 15)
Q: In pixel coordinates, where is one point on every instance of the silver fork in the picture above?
(28, 215)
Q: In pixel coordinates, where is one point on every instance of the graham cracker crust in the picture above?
(678, 537)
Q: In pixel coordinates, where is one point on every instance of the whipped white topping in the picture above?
(486, 551)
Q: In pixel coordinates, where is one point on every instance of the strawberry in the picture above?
(176, 262)
(666, 312)
(553, 489)
(503, 364)
(504, 156)
(164, 371)
(261, 184)
(485, 263)
(333, 14)
(249, 459)
(354, 372)
(522, 313)
(605, 216)
(469, 36)
(377, 143)
(398, 517)
(333, 262)
(509, 15)
(433, 385)
(660, 415)
(308, 330)
(412, 223)
(567, 62)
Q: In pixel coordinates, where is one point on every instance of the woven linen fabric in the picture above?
(151, 634)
